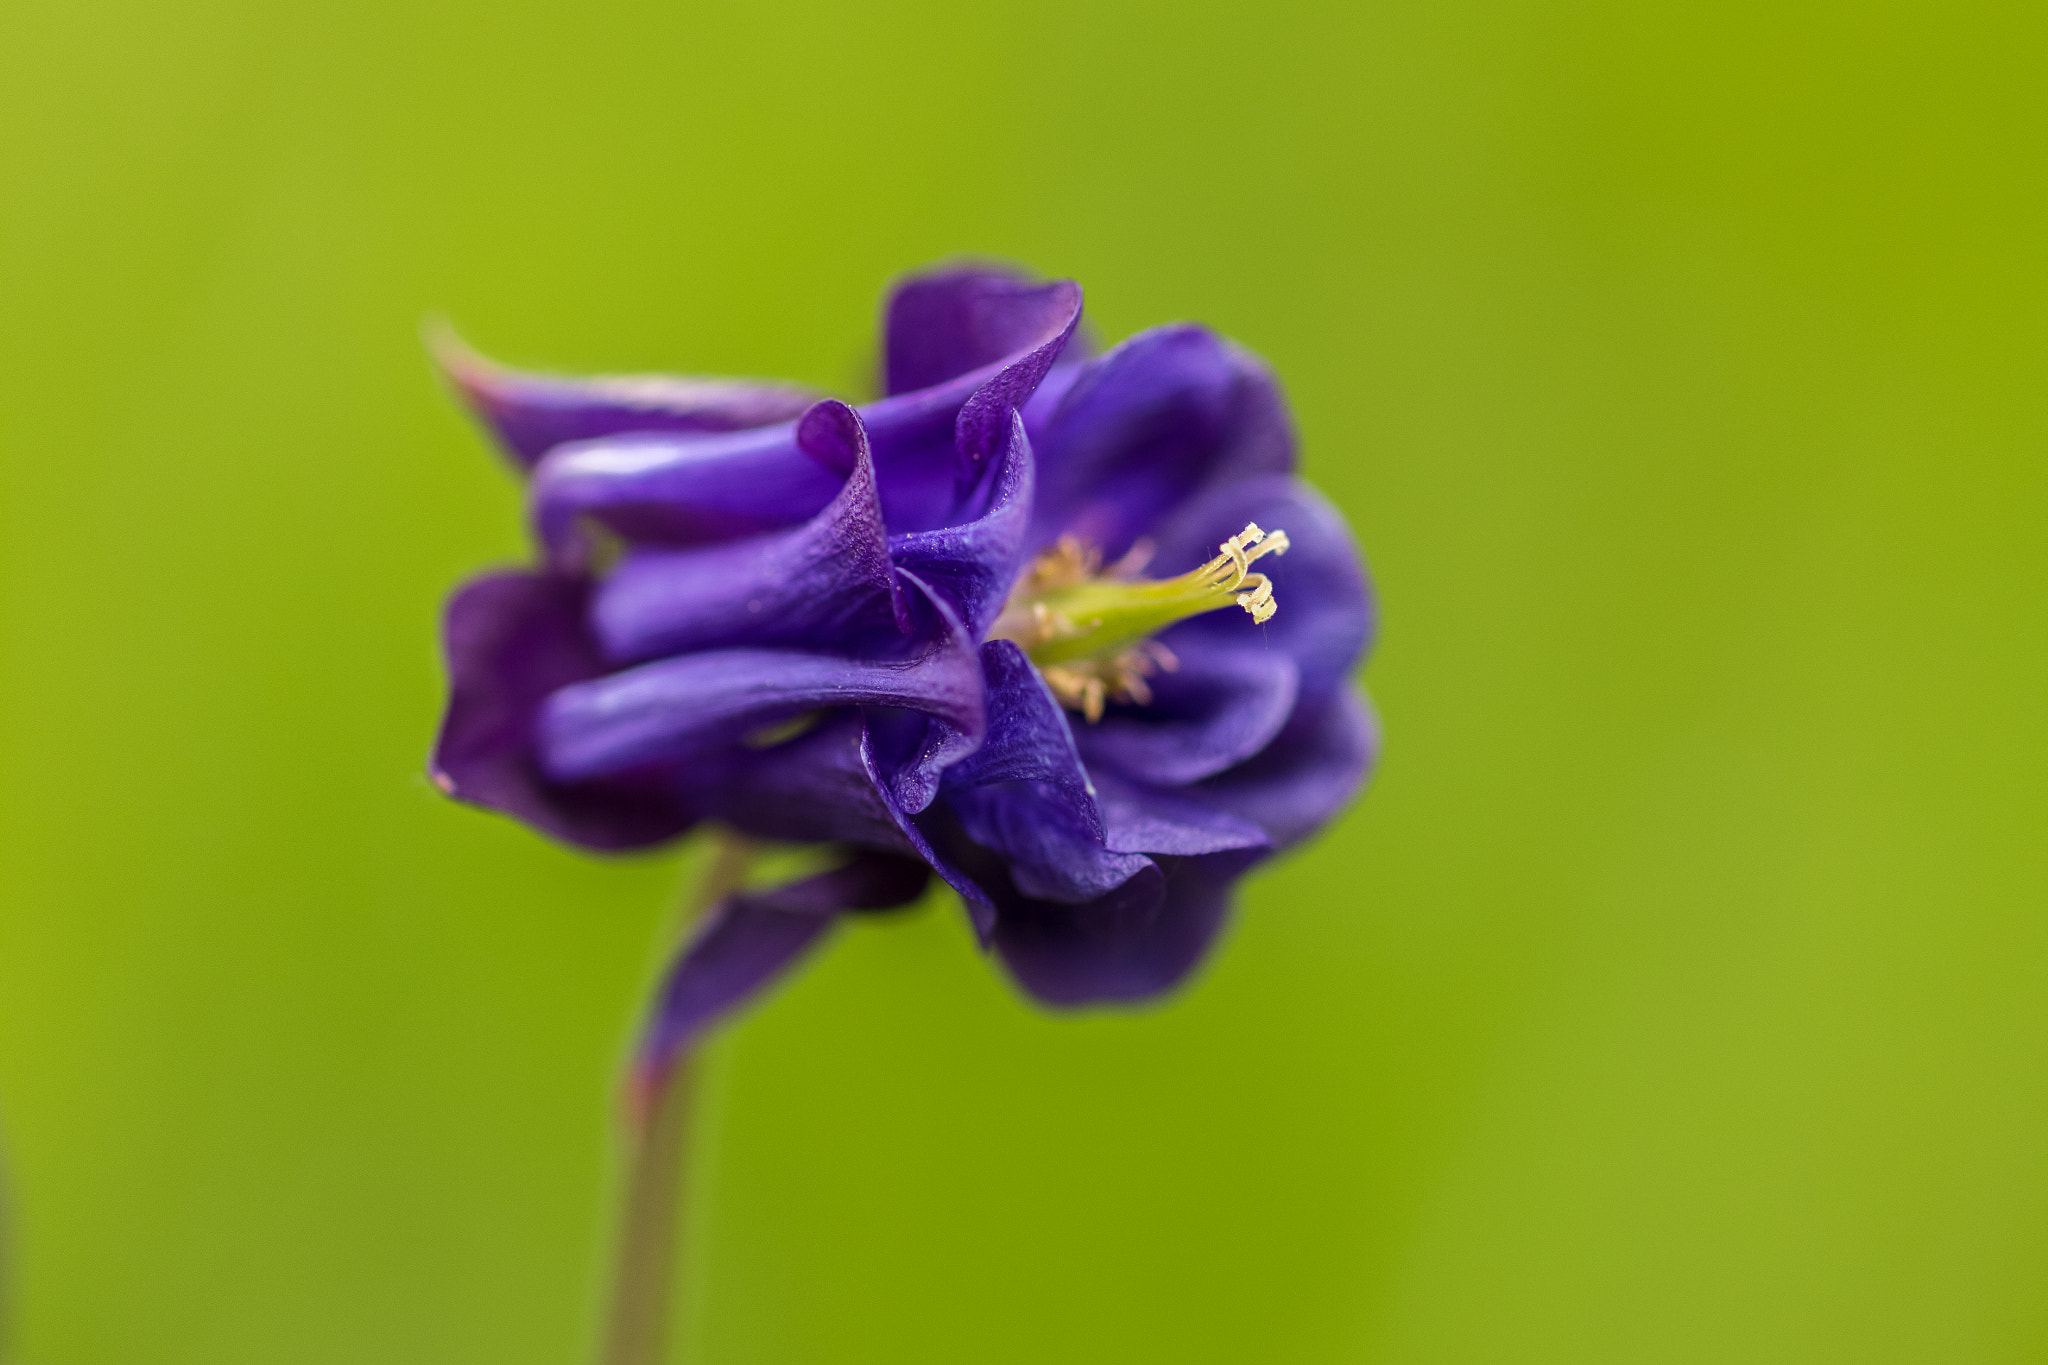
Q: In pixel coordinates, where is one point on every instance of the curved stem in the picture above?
(656, 1185)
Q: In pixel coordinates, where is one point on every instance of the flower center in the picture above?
(1089, 628)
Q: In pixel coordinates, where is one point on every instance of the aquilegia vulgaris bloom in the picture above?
(1066, 631)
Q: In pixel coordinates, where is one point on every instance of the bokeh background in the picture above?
(1676, 993)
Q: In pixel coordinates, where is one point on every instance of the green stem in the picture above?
(645, 1264)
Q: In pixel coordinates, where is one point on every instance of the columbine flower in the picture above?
(1067, 632)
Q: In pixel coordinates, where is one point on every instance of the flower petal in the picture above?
(1304, 776)
(941, 325)
(677, 490)
(933, 445)
(1136, 942)
(975, 563)
(531, 414)
(1148, 425)
(677, 709)
(510, 641)
(1221, 706)
(1024, 794)
(930, 447)
(1147, 820)
(813, 788)
(828, 582)
(984, 424)
(1327, 613)
(1028, 739)
(1046, 847)
(751, 937)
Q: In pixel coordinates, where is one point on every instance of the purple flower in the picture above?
(1023, 623)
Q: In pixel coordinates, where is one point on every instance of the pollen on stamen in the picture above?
(1259, 601)
(1235, 562)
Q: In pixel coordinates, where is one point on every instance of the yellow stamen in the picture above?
(1089, 629)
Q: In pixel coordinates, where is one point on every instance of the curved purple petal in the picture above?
(531, 414)
(1047, 849)
(1221, 706)
(1327, 613)
(1147, 820)
(933, 445)
(677, 490)
(814, 787)
(678, 708)
(973, 564)
(510, 641)
(928, 446)
(751, 937)
(1025, 795)
(828, 582)
(1138, 941)
(1148, 425)
(984, 422)
(682, 708)
(941, 325)
(1028, 739)
(1304, 776)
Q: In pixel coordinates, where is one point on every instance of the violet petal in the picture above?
(510, 640)
(1029, 738)
(828, 582)
(751, 937)
(813, 788)
(678, 708)
(531, 414)
(985, 418)
(1306, 774)
(927, 445)
(1148, 820)
(677, 490)
(975, 563)
(941, 325)
(1024, 793)
(1221, 706)
(669, 710)
(1148, 425)
(1138, 941)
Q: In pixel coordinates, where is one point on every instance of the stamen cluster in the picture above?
(1089, 628)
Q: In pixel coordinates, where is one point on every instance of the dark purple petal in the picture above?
(940, 326)
(1047, 849)
(679, 709)
(1326, 615)
(678, 490)
(1139, 940)
(531, 414)
(929, 447)
(973, 564)
(828, 583)
(815, 787)
(511, 640)
(1221, 706)
(748, 939)
(1304, 776)
(892, 743)
(1024, 794)
(1029, 738)
(932, 446)
(1148, 820)
(1150, 424)
(985, 418)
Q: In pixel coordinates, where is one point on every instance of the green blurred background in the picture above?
(1678, 992)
